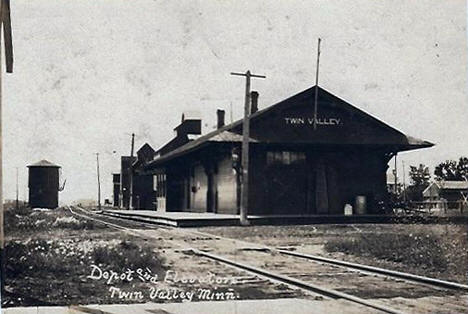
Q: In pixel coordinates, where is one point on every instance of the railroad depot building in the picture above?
(293, 170)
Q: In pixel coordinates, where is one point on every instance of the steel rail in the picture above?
(295, 282)
(265, 273)
(356, 266)
(372, 269)
(134, 218)
(98, 220)
(131, 231)
(122, 228)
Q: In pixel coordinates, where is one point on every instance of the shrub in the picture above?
(31, 257)
(41, 258)
(128, 255)
(66, 222)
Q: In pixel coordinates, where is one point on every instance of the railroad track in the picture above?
(320, 259)
(124, 224)
(364, 282)
(141, 228)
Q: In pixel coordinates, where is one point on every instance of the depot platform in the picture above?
(190, 219)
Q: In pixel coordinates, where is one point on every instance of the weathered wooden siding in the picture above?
(323, 184)
(258, 184)
(200, 184)
(226, 187)
(144, 196)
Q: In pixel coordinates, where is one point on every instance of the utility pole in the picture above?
(99, 182)
(133, 144)
(245, 148)
(396, 175)
(316, 84)
(17, 190)
(6, 22)
(404, 181)
(130, 202)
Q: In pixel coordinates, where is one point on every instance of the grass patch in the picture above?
(426, 249)
(75, 224)
(56, 272)
(39, 257)
(25, 220)
(433, 250)
(127, 255)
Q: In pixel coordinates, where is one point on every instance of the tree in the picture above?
(450, 170)
(462, 168)
(420, 177)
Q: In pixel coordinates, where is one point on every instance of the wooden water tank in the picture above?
(43, 184)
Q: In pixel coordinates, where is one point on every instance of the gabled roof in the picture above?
(227, 136)
(44, 163)
(174, 143)
(146, 148)
(232, 132)
(144, 154)
(452, 185)
(220, 135)
(447, 185)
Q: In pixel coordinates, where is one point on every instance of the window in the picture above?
(284, 157)
(160, 185)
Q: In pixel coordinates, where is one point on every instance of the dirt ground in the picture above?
(51, 256)
(446, 244)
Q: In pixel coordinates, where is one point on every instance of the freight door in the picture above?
(286, 186)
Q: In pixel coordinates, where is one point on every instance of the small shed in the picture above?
(43, 184)
(449, 191)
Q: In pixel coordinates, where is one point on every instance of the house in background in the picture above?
(449, 192)
(391, 183)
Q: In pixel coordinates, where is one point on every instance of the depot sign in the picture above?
(298, 121)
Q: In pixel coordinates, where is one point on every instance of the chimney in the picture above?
(189, 126)
(220, 113)
(254, 102)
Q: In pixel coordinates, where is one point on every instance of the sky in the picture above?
(88, 73)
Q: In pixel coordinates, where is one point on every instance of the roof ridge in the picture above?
(342, 104)
(43, 163)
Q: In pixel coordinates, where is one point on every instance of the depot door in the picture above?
(286, 186)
